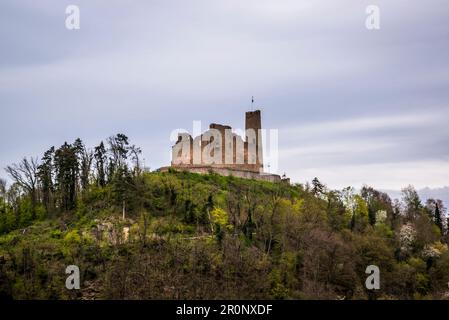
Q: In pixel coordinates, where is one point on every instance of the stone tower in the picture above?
(253, 122)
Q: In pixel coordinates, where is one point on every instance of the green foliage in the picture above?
(175, 235)
(278, 290)
(56, 234)
(72, 238)
(220, 218)
(26, 212)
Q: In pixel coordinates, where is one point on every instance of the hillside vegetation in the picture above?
(147, 235)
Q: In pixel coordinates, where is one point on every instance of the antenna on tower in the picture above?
(252, 103)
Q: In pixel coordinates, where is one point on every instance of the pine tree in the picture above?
(85, 158)
(100, 162)
(318, 187)
(67, 171)
(438, 220)
(45, 174)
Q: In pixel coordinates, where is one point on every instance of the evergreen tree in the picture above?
(85, 159)
(45, 174)
(66, 167)
(100, 163)
(438, 220)
(118, 148)
(317, 187)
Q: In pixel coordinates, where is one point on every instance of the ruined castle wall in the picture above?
(245, 174)
(236, 153)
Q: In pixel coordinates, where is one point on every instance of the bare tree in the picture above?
(25, 175)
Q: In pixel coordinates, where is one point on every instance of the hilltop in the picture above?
(179, 235)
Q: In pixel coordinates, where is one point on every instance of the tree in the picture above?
(438, 220)
(377, 201)
(396, 214)
(361, 213)
(66, 167)
(447, 225)
(135, 153)
(118, 148)
(357, 207)
(2, 188)
(25, 175)
(219, 218)
(78, 149)
(8, 220)
(45, 174)
(100, 162)
(437, 212)
(317, 187)
(85, 170)
(336, 211)
(412, 202)
(2, 202)
(123, 188)
(13, 196)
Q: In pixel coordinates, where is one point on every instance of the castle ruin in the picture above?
(224, 152)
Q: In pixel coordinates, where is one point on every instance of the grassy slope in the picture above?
(189, 250)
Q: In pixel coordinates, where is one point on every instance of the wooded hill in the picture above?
(176, 235)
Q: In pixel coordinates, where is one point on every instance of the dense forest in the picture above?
(137, 234)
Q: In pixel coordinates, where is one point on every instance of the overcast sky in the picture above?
(352, 105)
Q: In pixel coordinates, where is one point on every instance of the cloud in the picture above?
(341, 95)
(356, 125)
(393, 176)
(400, 149)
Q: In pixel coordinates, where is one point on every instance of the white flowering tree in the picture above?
(407, 237)
(381, 217)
